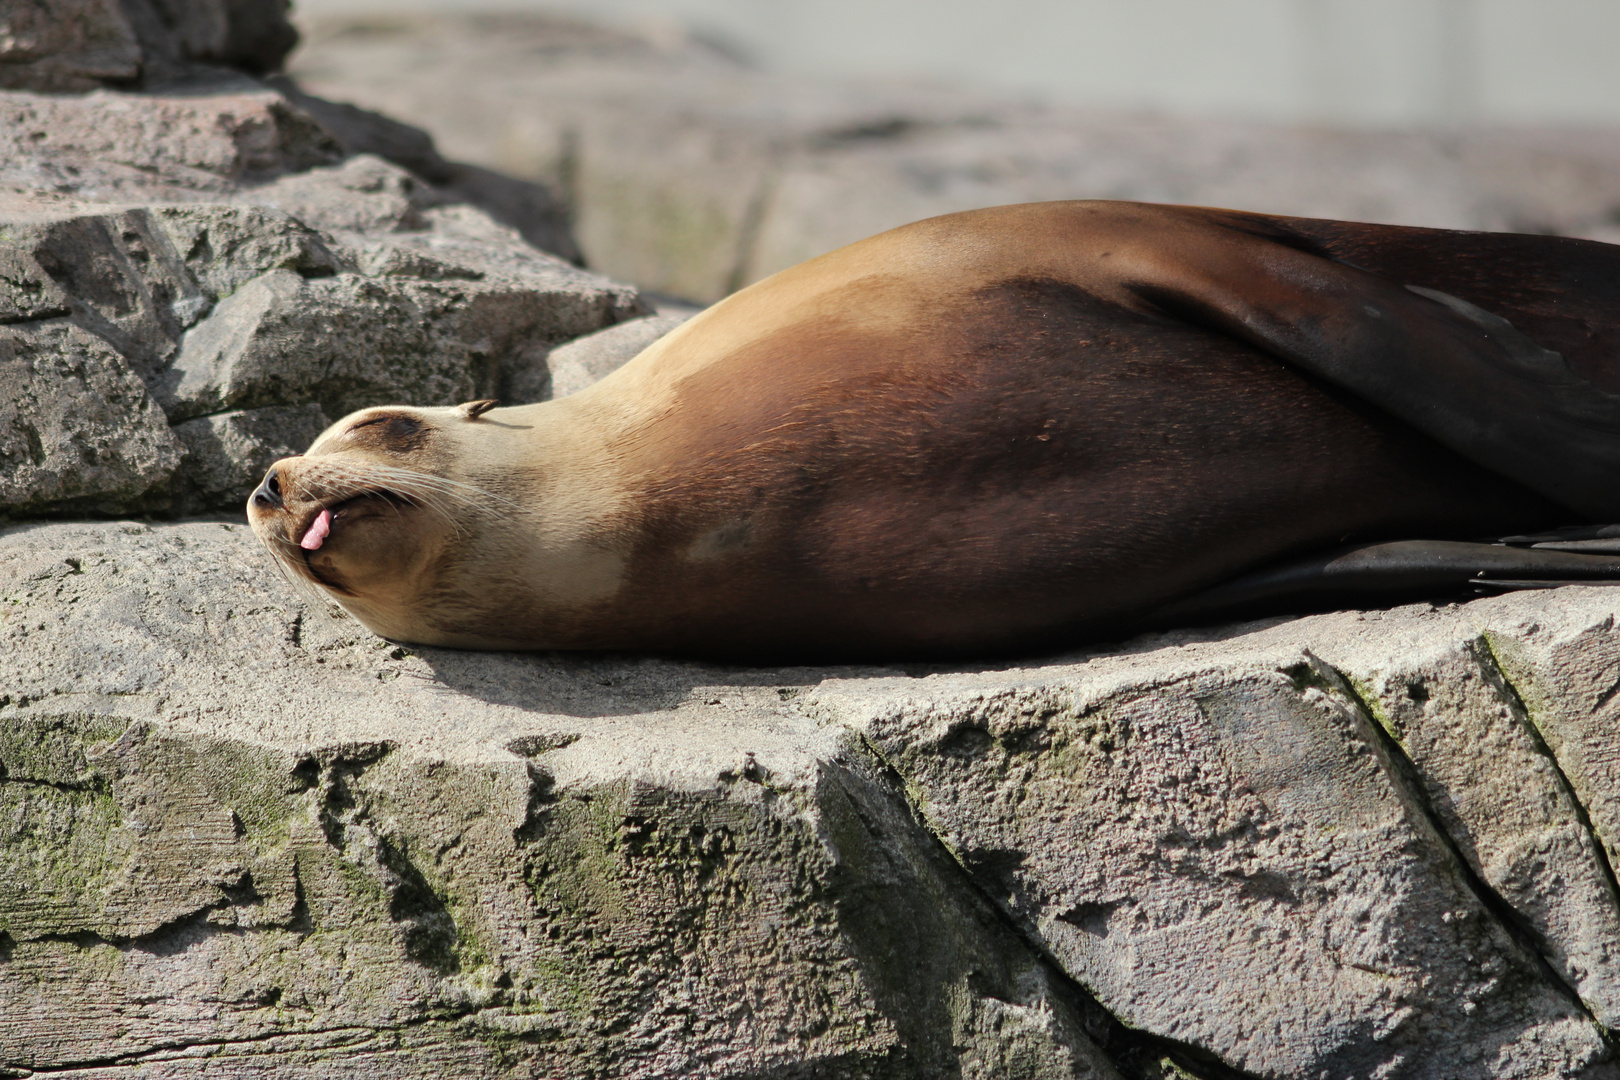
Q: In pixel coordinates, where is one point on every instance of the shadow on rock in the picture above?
(614, 684)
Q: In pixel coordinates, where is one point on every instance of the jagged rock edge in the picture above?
(170, 1051)
(1403, 774)
(1543, 747)
(1197, 1063)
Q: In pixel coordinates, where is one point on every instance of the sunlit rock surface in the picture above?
(236, 828)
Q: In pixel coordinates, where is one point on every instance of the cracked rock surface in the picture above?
(214, 256)
(1344, 835)
(237, 829)
(201, 265)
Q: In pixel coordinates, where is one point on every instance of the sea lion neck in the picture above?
(538, 459)
(545, 537)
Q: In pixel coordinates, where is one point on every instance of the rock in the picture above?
(235, 824)
(78, 431)
(249, 35)
(572, 367)
(224, 137)
(220, 308)
(433, 324)
(61, 46)
(1486, 774)
(100, 300)
(687, 171)
(66, 45)
(176, 36)
(539, 217)
(1224, 822)
(184, 144)
(142, 277)
(362, 195)
(229, 453)
(496, 865)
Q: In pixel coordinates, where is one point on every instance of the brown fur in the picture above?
(988, 431)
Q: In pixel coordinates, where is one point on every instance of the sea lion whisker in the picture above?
(428, 501)
(395, 495)
(429, 492)
(433, 507)
(339, 484)
(455, 488)
(408, 481)
(466, 493)
(300, 583)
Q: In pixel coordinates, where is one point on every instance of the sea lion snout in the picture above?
(354, 517)
(267, 496)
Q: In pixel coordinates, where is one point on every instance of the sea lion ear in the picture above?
(472, 410)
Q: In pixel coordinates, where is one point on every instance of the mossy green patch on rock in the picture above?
(43, 746)
(54, 864)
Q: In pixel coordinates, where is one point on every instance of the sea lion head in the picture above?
(374, 511)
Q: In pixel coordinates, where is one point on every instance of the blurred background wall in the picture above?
(1359, 62)
(698, 145)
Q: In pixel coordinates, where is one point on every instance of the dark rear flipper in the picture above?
(1462, 374)
(1406, 571)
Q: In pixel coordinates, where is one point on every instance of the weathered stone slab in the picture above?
(1561, 668)
(341, 341)
(440, 319)
(141, 277)
(78, 431)
(221, 308)
(1488, 778)
(222, 136)
(161, 146)
(237, 832)
(362, 196)
(1225, 823)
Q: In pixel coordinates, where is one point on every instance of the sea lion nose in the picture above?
(268, 494)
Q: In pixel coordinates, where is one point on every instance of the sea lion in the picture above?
(986, 432)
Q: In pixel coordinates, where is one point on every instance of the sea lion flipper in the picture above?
(1465, 376)
(1379, 575)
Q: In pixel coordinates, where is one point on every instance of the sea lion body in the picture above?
(985, 432)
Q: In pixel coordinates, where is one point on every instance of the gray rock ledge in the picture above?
(239, 833)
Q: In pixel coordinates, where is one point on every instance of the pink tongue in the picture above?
(318, 530)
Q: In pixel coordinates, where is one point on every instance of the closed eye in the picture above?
(396, 433)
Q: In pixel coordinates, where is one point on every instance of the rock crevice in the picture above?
(1539, 941)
